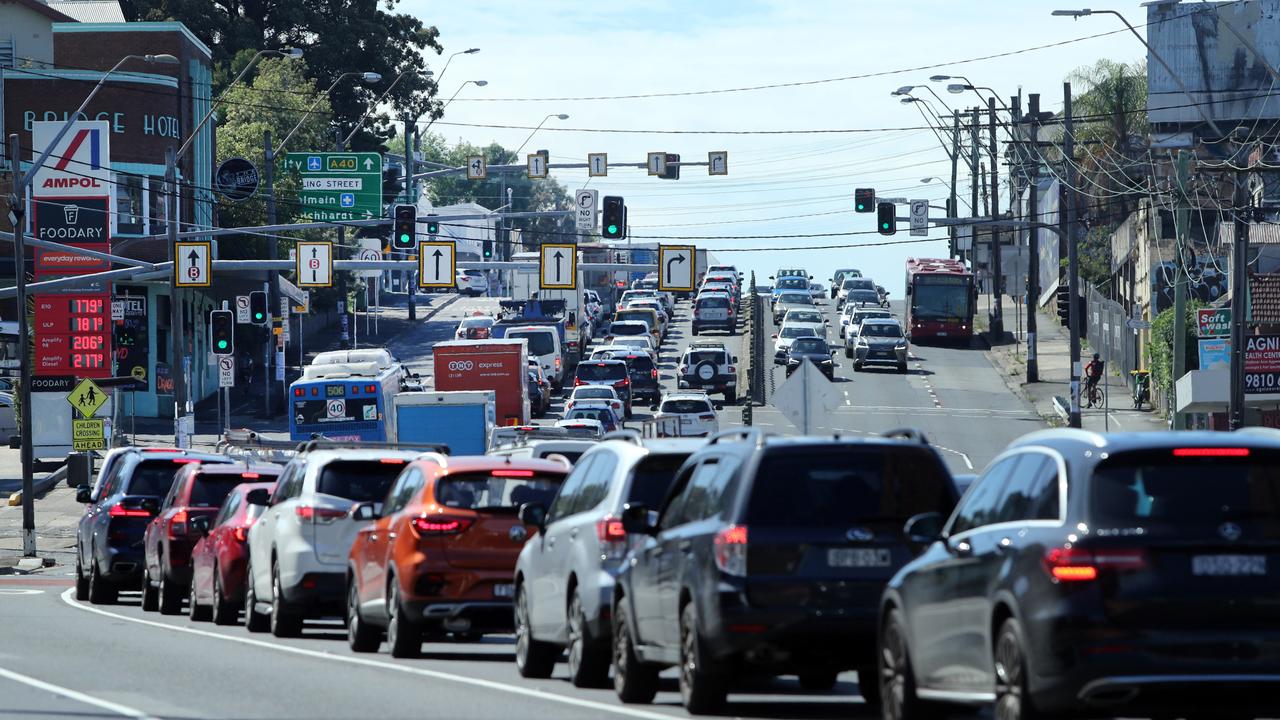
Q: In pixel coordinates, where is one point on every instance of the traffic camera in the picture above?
(886, 218)
(404, 232)
(222, 332)
(864, 200)
(258, 308)
(613, 220)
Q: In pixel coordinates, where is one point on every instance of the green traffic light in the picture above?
(404, 237)
(222, 344)
(613, 229)
(884, 226)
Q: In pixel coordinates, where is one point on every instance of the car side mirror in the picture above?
(653, 408)
(774, 336)
(718, 406)
(636, 520)
(83, 495)
(886, 293)
(924, 528)
(535, 514)
(733, 359)
(200, 524)
(260, 496)
(364, 511)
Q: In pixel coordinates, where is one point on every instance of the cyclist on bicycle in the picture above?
(1093, 373)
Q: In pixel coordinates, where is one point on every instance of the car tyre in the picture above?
(404, 636)
(254, 621)
(588, 656)
(82, 582)
(361, 637)
(730, 397)
(869, 685)
(1013, 701)
(897, 679)
(285, 620)
(635, 681)
(702, 689)
(170, 597)
(223, 611)
(534, 658)
(150, 598)
(902, 369)
(195, 611)
(818, 680)
(101, 591)
(695, 330)
(857, 366)
(848, 353)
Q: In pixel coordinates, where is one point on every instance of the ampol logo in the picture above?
(78, 163)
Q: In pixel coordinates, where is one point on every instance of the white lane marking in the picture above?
(964, 457)
(68, 597)
(1115, 419)
(79, 697)
(19, 591)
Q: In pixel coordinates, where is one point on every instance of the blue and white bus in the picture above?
(345, 395)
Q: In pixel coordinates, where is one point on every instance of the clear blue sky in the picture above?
(778, 184)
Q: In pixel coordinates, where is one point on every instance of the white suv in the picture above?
(693, 410)
(471, 282)
(298, 548)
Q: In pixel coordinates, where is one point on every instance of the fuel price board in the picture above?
(73, 335)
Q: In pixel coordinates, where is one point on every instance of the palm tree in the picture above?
(1111, 135)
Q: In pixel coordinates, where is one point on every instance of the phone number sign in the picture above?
(1262, 365)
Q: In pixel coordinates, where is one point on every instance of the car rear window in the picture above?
(1190, 495)
(858, 296)
(210, 490)
(154, 477)
(500, 490)
(358, 480)
(851, 484)
(686, 406)
(540, 343)
(640, 363)
(644, 316)
(713, 302)
(602, 371)
(652, 478)
(633, 328)
(591, 413)
(585, 393)
(795, 299)
(809, 345)
(701, 356)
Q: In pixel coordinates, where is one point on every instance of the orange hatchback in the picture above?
(441, 551)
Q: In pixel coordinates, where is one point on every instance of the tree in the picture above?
(336, 36)
(1160, 349)
(1111, 136)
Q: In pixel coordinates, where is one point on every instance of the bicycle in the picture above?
(1093, 393)
(1141, 388)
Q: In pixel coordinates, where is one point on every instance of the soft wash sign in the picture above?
(80, 164)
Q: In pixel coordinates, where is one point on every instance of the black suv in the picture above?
(643, 372)
(768, 556)
(708, 366)
(611, 373)
(1085, 575)
(127, 495)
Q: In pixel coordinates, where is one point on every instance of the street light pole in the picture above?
(997, 315)
(1069, 236)
(17, 209)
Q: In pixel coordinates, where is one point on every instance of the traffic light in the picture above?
(433, 226)
(864, 200)
(1063, 296)
(404, 231)
(886, 218)
(673, 169)
(258, 308)
(222, 332)
(488, 249)
(613, 221)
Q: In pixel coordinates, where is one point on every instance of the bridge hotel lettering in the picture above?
(141, 110)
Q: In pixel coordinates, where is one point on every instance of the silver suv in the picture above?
(564, 576)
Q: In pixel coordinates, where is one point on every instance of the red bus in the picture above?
(940, 300)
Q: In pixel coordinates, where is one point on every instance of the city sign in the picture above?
(657, 163)
(227, 371)
(338, 186)
(537, 165)
(718, 162)
(558, 266)
(920, 218)
(88, 434)
(437, 266)
(476, 168)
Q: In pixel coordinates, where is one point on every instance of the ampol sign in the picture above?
(79, 166)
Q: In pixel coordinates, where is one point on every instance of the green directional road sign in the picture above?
(338, 186)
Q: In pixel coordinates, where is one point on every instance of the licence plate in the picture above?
(942, 334)
(859, 557)
(686, 421)
(1219, 565)
(504, 590)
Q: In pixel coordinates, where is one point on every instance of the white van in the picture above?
(544, 346)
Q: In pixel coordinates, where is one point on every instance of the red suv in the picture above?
(441, 554)
(198, 489)
(219, 558)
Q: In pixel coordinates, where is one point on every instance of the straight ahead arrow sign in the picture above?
(558, 256)
(437, 255)
(193, 257)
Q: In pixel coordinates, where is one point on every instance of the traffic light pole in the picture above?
(18, 205)
(1067, 219)
(341, 254)
(411, 197)
(997, 274)
(273, 301)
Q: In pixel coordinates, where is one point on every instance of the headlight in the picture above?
(902, 344)
(862, 342)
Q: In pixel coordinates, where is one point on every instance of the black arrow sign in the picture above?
(674, 259)
(437, 255)
(313, 253)
(193, 257)
(558, 256)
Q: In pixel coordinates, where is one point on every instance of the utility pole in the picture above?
(410, 197)
(997, 315)
(18, 207)
(1243, 206)
(343, 310)
(973, 187)
(273, 298)
(1067, 223)
(1182, 226)
(1033, 238)
(955, 160)
(177, 363)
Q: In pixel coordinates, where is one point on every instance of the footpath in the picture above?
(1051, 396)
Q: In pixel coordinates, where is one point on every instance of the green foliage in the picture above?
(1111, 99)
(336, 36)
(1160, 349)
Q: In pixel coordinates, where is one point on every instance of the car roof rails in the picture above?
(744, 434)
(625, 435)
(908, 434)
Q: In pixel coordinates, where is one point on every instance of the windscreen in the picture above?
(840, 485)
(1191, 496)
(483, 491)
(686, 406)
(795, 299)
(639, 343)
(940, 302)
(210, 490)
(540, 343)
(804, 316)
(797, 332)
(358, 480)
(585, 393)
(644, 316)
(712, 301)
(477, 322)
(153, 477)
(860, 296)
(602, 371)
(640, 363)
(883, 330)
(792, 282)
(652, 478)
(809, 345)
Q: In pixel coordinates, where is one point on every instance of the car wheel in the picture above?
(902, 369)
(362, 637)
(224, 612)
(404, 636)
(534, 658)
(101, 591)
(150, 598)
(285, 621)
(818, 680)
(869, 685)
(634, 681)
(82, 582)
(588, 656)
(897, 679)
(695, 330)
(195, 611)
(1013, 702)
(170, 596)
(702, 690)
(848, 353)
(254, 621)
(730, 397)
(857, 367)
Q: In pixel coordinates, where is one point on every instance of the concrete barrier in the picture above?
(40, 485)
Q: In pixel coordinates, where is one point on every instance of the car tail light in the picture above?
(732, 370)
(578, 381)
(315, 391)
(1210, 452)
(731, 550)
(299, 392)
(440, 524)
(178, 524)
(250, 475)
(122, 511)
(706, 417)
(684, 369)
(355, 389)
(557, 363)
(392, 461)
(318, 514)
(512, 473)
(612, 536)
(1080, 565)
(697, 313)
(241, 533)
(654, 373)
(371, 389)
